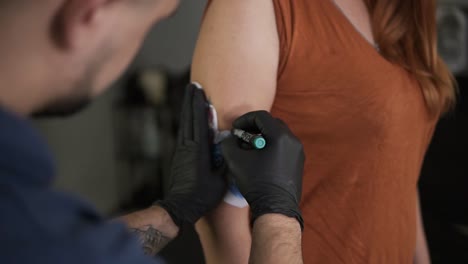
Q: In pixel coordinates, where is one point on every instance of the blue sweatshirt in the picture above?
(42, 226)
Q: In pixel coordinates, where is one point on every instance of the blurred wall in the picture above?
(84, 144)
(171, 43)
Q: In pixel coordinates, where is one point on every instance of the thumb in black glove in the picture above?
(196, 186)
(270, 179)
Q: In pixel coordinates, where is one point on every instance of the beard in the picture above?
(73, 103)
(82, 90)
(70, 104)
(63, 108)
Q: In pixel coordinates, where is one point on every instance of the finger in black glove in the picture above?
(270, 179)
(196, 186)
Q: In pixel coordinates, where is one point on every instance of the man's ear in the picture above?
(74, 20)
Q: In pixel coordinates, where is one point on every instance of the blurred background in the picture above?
(117, 152)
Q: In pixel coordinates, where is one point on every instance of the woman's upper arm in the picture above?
(236, 58)
(236, 61)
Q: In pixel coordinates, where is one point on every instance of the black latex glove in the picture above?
(270, 179)
(195, 186)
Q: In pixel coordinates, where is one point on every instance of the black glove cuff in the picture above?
(256, 213)
(172, 210)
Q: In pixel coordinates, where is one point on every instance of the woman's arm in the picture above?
(422, 251)
(236, 61)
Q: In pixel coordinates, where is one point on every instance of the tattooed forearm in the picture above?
(153, 226)
(151, 239)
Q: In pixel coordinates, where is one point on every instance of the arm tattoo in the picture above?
(151, 239)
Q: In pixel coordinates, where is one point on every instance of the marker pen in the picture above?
(255, 140)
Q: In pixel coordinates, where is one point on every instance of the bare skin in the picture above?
(154, 228)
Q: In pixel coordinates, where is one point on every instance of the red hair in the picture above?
(406, 31)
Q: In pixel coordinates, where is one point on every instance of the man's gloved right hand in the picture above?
(270, 179)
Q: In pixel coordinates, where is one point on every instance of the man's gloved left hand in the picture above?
(196, 187)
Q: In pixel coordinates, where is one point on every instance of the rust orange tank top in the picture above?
(365, 129)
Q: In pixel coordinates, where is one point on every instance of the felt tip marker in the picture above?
(255, 140)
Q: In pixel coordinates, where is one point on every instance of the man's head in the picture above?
(58, 54)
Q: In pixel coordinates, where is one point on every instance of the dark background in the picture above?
(444, 186)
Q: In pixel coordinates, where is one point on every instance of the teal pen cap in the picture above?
(255, 140)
